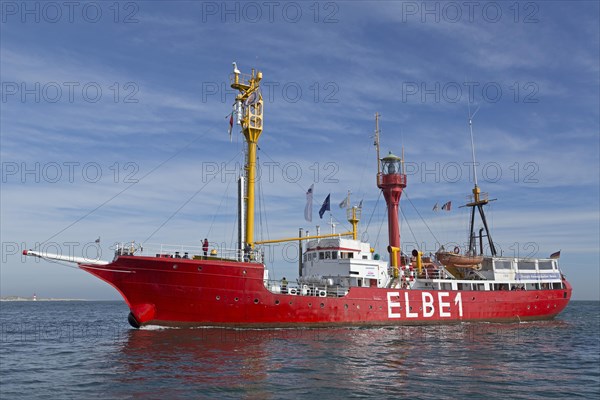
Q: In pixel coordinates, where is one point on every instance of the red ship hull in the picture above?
(167, 291)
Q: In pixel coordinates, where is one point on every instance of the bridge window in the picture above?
(545, 264)
(334, 255)
(321, 255)
(502, 264)
(327, 255)
(526, 264)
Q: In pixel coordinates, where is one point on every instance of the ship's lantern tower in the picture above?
(392, 180)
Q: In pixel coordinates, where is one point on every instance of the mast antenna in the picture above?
(479, 199)
(376, 143)
(471, 116)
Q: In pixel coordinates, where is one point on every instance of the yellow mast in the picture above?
(249, 107)
(249, 114)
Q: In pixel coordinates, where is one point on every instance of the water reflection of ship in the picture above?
(217, 360)
(213, 358)
(262, 364)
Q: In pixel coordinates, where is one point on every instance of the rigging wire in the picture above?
(344, 224)
(262, 211)
(409, 227)
(260, 205)
(263, 207)
(380, 226)
(225, 196)
(419, 214)
(131, 185)
(366, 167)
(185, 203)
(373, 212)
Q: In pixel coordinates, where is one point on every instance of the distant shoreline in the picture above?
(18, 298)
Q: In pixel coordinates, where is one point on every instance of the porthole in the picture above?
(218, 297)
(237, 299)
(175, 266)
(291, 303)
(199, 268)
(528, 307)
(310, 304)
(410, 309)
(420, 308)
(370, 307)
(322, 305)
(277, 302)
(473, 298)
(244, 272)
(358, 306)
(346, 306)
(255, 301)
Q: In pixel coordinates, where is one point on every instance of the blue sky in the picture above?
(118, 114)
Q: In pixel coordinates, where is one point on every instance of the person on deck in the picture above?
(205, 247)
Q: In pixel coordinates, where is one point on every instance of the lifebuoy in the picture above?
(457, 250)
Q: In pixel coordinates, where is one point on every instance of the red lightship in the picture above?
(341, 280)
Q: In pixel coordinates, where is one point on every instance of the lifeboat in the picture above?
(457, 260)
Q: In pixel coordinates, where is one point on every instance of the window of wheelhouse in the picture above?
(546, 264)
(321, 255)
(334, 255)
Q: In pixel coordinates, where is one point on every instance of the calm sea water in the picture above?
(87, 350)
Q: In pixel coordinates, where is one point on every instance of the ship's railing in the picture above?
(439, 272)
(483, 196)
(186, 251)
(445, 273)
(473, 273)
(295, 289)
